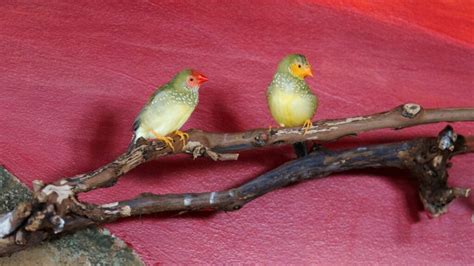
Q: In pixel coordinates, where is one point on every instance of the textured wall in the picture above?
(74, 75)
(445, 18)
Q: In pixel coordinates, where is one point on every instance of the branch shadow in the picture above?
(216, 113)
(168, 168)
(399, 178)
(99, 146)
(202, 215)
(468, 202)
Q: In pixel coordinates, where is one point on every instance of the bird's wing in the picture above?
(162, 91)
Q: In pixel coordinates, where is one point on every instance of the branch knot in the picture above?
(411, 110)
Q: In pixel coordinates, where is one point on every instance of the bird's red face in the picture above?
(195, 79)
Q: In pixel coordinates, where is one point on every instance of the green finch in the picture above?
(291, 101)
(169, 108)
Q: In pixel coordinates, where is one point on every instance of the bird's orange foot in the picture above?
(183, 136)
(168, 141)
(306, 126)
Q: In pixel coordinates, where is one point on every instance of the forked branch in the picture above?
(55, 208)
(426, 158)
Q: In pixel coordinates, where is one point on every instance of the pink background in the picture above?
(74, 75)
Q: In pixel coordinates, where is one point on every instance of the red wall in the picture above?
(74, 75)
(448, 18)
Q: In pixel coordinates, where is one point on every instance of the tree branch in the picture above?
(217, 146)
(426, 158)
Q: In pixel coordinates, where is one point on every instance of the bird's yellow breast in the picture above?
(290, 109)
(164, 119)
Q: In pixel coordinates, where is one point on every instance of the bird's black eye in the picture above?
(299, 66)
(191, 79)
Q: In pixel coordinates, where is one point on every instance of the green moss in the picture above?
(90, 246)
(98, 248)
(12, 192)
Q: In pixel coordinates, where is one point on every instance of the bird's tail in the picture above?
(301, 149)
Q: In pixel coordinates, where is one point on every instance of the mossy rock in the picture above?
(92, 246)
(11, 191)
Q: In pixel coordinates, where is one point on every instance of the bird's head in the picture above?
(296, 65)
(189, 79)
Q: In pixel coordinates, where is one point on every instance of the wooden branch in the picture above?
(406, 115)
(426, 158)
(217, 146)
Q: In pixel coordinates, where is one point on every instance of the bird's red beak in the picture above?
(201, 78)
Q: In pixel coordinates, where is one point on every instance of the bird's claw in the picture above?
(183, 136)
(168, 141)
(306, 126)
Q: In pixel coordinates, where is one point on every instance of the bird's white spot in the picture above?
(212, 198)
